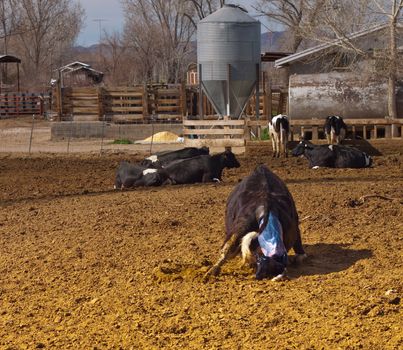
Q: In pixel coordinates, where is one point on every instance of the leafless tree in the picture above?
(9, 21)
(160, 32)
(50, 27)
(115, 61)
(202, 8)
(297, 16)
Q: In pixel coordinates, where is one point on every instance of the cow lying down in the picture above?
(204, 168)
(261, 213)
(161, 159)
(332, 156)
(134, 175)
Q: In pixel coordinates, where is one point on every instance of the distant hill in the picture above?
(270, 41)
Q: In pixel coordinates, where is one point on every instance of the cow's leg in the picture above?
(230, 249)
(273, 143)
(300, 254)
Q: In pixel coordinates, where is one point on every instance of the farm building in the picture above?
(80, 74)
(323, 80)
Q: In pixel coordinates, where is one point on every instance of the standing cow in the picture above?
(279, 129)
(260, 208)
(335, 129)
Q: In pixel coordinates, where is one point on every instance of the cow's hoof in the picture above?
(214, 271)
(281, 277)
(299, 258)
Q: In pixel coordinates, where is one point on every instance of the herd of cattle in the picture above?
(261, 219)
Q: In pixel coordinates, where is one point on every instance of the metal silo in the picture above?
(228, 55)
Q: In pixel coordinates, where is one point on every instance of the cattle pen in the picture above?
(84, 266)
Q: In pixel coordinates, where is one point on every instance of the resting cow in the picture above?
(332, 156)
(335, 129)
(204, 168)
(163, 158)
(133, 175)
(260, 206)
(279, 129)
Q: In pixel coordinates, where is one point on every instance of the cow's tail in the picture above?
(245, 246)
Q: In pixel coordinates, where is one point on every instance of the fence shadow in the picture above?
(325, 258)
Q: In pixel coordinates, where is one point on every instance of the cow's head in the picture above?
(204, 150)
(229, 160)
(300, 149)
(267, 267)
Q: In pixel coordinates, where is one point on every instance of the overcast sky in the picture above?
(109, 14)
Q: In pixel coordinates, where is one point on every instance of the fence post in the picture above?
(32, 131)
(70, 133)
(103, 135)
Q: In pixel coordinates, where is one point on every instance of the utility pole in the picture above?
(100, 20)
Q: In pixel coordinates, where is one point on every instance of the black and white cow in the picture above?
(279, 129)
(246, 217)
(161, 159)
(203, 168)
(332, 156)
(133, 175)
(335, 129)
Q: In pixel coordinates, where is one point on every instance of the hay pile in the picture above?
(162, 137)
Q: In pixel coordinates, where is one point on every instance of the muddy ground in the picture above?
(85, 267)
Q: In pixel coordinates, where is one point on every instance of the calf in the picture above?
(163, 158)
(335, 129)
(133, 175)
(257, 202)
(279, 129)
(332, 156)
(204, 168)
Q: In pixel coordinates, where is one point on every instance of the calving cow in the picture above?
(332, 156)
(279, 129)
(134, 175)
(335, 129)
(204, 168)
(261, 212)
(163, 158)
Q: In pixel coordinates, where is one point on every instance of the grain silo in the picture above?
(228, 54)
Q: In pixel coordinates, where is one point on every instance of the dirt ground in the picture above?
(86, 267)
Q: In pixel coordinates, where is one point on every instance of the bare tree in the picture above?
(160, 30)
(114, 57)
(200, 9)
(9, 21)
(50, 28)
(297, 16)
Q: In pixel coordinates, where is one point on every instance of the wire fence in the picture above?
(36, 134)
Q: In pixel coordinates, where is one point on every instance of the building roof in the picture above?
(313, 50)
(273, 56)
(9, 59)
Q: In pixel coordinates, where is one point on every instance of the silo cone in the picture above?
(228, 54)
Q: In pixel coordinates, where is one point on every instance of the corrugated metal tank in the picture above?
(228, 54)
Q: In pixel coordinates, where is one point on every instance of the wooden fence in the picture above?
(164, 103)
(214, 133)
(236, 133)
(311, 128)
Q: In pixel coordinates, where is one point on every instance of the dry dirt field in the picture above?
(86, 267)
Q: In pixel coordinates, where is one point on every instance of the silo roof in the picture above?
(229, 14)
